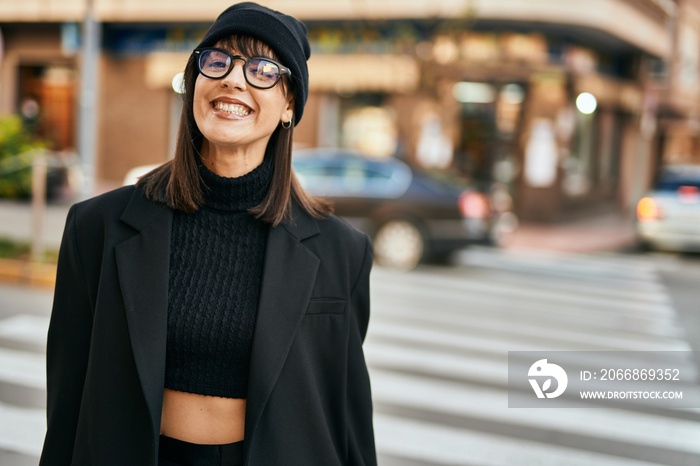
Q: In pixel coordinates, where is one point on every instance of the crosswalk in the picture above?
(22, 388)
(437, 350)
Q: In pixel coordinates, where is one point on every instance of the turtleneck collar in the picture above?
(236, 194)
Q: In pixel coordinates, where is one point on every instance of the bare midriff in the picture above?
(207, 420)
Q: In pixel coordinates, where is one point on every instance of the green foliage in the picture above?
(16, 152)
(13, 249)
(21, 250)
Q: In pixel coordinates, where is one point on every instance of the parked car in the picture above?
(668, 217)
(133, 175)
(411, 215)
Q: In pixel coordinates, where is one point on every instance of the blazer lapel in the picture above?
(289, 275)
(143, 263)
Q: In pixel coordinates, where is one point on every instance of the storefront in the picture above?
(560, 115)
(39, 81)
(564, 125)
(553, 122)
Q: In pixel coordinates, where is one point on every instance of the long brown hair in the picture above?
(177, 183)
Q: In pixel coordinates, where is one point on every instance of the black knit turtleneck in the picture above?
(216, 261)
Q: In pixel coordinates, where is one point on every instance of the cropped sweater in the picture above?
(216, 265)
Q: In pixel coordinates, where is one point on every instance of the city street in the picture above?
(561, 140)
(437, 351)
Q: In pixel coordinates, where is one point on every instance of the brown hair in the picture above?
(177, 183)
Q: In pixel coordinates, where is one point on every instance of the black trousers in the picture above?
(175, 452)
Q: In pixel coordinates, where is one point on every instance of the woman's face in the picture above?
(232, 115)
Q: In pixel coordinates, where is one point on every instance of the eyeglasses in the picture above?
(259, 72)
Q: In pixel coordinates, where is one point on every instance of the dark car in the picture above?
(410, 214)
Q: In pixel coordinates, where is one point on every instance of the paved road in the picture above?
(437, 353)
(24, 314)
(437, 350)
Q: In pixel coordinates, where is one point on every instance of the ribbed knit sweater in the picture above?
(216, 262)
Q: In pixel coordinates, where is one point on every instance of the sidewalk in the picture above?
(603, 232)
(16, 222)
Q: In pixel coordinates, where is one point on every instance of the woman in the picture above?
(215, 313)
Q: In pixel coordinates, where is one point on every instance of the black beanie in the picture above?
(285, 34)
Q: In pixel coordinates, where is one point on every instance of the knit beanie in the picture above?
(285, 34)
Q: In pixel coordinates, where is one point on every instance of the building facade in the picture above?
(571, 105)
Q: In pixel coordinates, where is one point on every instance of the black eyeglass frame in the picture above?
(283, 69)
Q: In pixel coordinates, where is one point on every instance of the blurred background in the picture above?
(527, 169)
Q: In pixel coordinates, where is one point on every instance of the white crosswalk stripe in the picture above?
(22, 429)
(435, 444)
(21, 370)
(491, 404)
(437, 349)
(25, 328)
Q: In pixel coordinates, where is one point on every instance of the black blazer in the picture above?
(309, 401)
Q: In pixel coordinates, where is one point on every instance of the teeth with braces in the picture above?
(236, 109)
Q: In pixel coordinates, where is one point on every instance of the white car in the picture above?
(668, 217)
(133, 175)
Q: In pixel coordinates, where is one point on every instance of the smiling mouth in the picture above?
(233, 109)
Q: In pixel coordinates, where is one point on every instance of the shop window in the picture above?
(508, 109)
(608, 165)
(580, 166)
(369, 126)
(46, 103)
(490, 120)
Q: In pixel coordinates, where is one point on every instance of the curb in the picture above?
(27, 273)
(575, 238)
(627, 243)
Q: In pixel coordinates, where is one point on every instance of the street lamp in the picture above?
(586, 103)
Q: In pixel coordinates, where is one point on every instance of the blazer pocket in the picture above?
(326, 306)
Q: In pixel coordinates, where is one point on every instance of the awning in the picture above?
(363, 73)
(327, 73)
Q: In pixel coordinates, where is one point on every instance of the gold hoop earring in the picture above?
(287, 124)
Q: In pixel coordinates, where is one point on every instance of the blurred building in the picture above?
(572, 105)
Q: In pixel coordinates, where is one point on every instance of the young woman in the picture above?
(214, 314)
